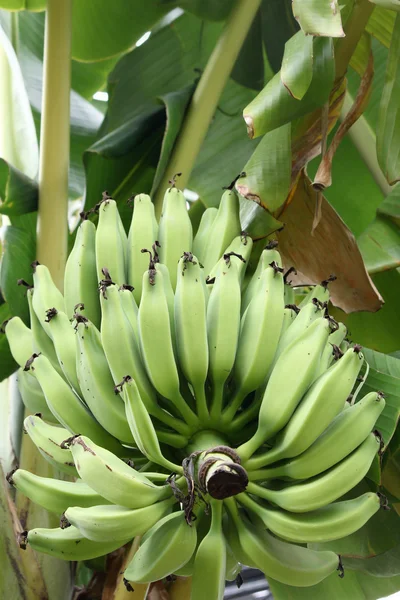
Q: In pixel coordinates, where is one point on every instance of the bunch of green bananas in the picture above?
(194, 404)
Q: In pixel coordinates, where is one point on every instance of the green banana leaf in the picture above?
(319, 17)
(18, 193)
(297, 65)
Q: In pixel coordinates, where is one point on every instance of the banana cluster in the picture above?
(191, 403)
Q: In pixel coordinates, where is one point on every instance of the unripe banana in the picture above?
(175, 232)
(112, 478)
(141, 426)
(165, 551)
(330, 522)
(97, 384)
(142, 234)
(46, 295)
(48, 439)
(296, 367)
(210, 560)
(69, 544)
(344, 434)
(259, 335)
(130, 308)
(225, 228)
(287, 563)
(191, 328)
(55, 495)
(241, 247)
(32, 395)
(268, 255)
(63, 337)
(20, 340)
(321, 404)
(335, 339)
(223, 325)
(320, 292)
(41, 341)
(109, 523)
(327, 487)
(111, 243)
(80, 279)
(156, 343)
(201, 238)
(66, 406)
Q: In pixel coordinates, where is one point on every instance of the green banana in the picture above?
(112, 478)
(55, 495)
(259, 335)
(223, 326)
(175, 232)
(268, 255)
(165, 550)
(41, 341)
(48, 439)
(296, 367)
(20, 340)
(80, 278)
(111, 243)
(45, 295)
(66, 406)
(285, 562)
(130, 308)
(240, 247)
(156, 343)
(210, 560)
(69, 544)
(97, 384)
(142, 234)
(335, 339)
(191, 328)
(330, 522)
(63, 337)
(323, 402)
(32, 395)
(225, 227)
(327, 487)
(109, 523)
(201, 238)
(141, 426)
(344, 434)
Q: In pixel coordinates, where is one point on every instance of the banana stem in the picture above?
(217, 400)
(206, 96)
(233, 406)
(201, 404)
(52, 235)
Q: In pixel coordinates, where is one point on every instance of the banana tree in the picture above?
(317, 86)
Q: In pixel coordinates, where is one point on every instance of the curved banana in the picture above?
(66, 406)
(225, 227)
(130, 308)
(97, 384)
(63, 337)
(344, 434)
(191, 328)
(156, 343)
(175, 232)
(327, 487)
(32, 395)
(111, 522)
(210, 560)
(41, 341)
(48, 439)
(142, 427)
(259, 335)
(45, 295)
(321, 404)
(80, 278)
(335, 339)
(240, 247)
(267, 256)
(223, 326)
(20, 340)
(296, 367)
(143, 232)
(55, 495)
(165, 550)
(330, 522)
(112, 478)
(69, 544)
(111, 243)
(201, 238)
(285, 562)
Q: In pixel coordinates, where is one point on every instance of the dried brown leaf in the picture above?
(332, 249)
